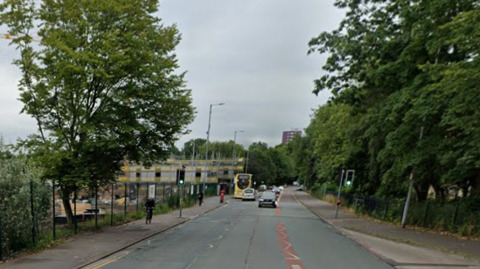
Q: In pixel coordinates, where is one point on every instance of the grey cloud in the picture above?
(250, 54)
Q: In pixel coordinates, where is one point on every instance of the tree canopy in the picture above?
(394, 74)
(102, 85)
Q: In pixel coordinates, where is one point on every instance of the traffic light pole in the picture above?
(181, 199)
(181, 186)
(339, 192)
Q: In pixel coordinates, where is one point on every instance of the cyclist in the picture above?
(149, 206)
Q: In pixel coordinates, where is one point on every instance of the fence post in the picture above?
(75, 210)
(111, 206)
(33, 213)
(155, 193)
(96, 205)
(53, 213)
(456, 213)
(138, 190)
(386, 211)
(426, 214)
(125, 202)
(164, 192)
(1, 237)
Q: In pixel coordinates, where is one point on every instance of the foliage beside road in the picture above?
(394, 74)
(20, 189)
(103, 86)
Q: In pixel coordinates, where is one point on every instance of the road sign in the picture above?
(151, 191)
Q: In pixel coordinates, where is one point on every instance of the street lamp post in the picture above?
(193, 163)
(234, 153)
(208, 142)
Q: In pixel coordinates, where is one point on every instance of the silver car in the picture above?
(248, 194)
(267, 198)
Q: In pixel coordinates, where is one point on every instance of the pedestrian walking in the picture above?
(200, 198)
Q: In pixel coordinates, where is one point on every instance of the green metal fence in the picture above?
(461, 216)
(34, 215)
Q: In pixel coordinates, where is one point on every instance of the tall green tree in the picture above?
(261, 166)
(284, 170)
(196, 143)
(102, 86)
(400, 73)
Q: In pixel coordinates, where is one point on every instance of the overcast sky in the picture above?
(249, 54)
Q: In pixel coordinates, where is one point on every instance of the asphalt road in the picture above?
(241, 235)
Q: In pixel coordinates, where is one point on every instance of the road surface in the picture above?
(241, 235)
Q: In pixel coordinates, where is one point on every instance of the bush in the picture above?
(17, 176)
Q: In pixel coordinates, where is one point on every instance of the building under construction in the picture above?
(196, 171)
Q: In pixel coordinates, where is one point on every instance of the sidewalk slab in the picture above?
(349, 221)
(403, 256)
(86, 248)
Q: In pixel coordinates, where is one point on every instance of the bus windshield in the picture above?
(243, 182)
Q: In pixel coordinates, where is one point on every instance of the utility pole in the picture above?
(410, 185)
(412, 174)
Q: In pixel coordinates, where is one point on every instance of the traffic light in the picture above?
(349, 178)
(180, 177)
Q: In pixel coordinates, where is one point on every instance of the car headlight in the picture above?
(261, 200)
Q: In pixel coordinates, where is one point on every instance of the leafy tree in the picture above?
(102, 86)
(188, 147)
(284, 171)
(401, 73)
(260, 145)
(222, 149)
(261, 166)
(301, 153)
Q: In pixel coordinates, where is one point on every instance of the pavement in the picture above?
(87, 248)
(387, 241)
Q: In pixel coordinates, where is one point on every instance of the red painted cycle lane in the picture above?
(291, 258)
(278, 211)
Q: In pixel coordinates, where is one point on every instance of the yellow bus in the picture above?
(242, 181)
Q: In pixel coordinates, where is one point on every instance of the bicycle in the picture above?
(149, 215)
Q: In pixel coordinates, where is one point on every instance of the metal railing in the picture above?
(41, 216)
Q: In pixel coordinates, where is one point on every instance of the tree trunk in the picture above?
(439, 192)
(422, 192)
(475, 183)
(65, 195)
